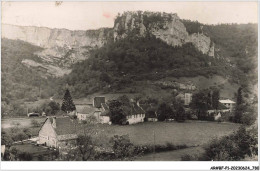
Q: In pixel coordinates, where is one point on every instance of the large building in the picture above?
(58, 132)
(228, 103)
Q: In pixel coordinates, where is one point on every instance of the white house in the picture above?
(84, 111)
(58, 132)
(136, 115)
(103, 115)
(228, 103)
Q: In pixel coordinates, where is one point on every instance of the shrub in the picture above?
(122, 147)
(25, 156)
(233, 147)
(35, 123)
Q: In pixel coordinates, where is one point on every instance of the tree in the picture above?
(239, 107)
(215, 99)
(180, 114)
(35, 123)
(199, 103)
(6, 139)
(122, 147)
(67, 104)
(20, 136)
(85, 147)
(117, 114)
(164, 112)
(54, 106)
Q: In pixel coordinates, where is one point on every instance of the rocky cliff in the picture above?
(64, 47)
(167, 27)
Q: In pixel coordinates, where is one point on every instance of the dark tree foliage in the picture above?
(122, 147)
(180, 114)
(119, 64)
(199, 103)
(233, 147)
(164, 112)
(85, 148)
(117, 115)
(215, 99)
(25, 156)
(240, 108)
(67, 104)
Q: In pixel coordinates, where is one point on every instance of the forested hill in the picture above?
(235, 42)
(119, 64)
(134, 58)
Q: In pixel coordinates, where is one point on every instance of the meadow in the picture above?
(190, 133)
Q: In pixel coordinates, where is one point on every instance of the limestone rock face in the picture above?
(63, 47)
(167, 27)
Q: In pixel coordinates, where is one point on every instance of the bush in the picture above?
(25, 156)
(35, 123)
(233, 147)
(122, 147)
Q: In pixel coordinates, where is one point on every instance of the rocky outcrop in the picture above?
(167, 27)
(63, 47)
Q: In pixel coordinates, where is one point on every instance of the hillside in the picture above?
(60, 47)
(19, 81)
(141, 48)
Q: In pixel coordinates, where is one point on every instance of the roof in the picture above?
(105, 106)
(85, 109)
(64, 126)
(226, 101)
(98, 101)
(135, 109)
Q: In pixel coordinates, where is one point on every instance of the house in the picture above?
(2, 150)
(150, 112)
(84, 111)
(97, 101)
(136, 115)
(187, 98)
(104, 116)
(228, 103)
(58, 132)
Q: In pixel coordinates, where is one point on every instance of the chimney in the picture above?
(54, 122)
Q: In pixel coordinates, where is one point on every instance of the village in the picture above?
(58, 134)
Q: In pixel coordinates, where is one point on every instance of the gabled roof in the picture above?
(85, 109)
(135, 109)
(98, 101)
(227, 101)
(64, 126)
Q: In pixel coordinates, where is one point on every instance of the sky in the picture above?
(93, 15)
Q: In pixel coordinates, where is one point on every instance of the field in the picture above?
(20, 122)
(191, 133)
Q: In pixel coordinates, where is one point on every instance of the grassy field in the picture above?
(20, 122)
(191, 133)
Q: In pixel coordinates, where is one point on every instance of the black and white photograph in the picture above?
(137, 81)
